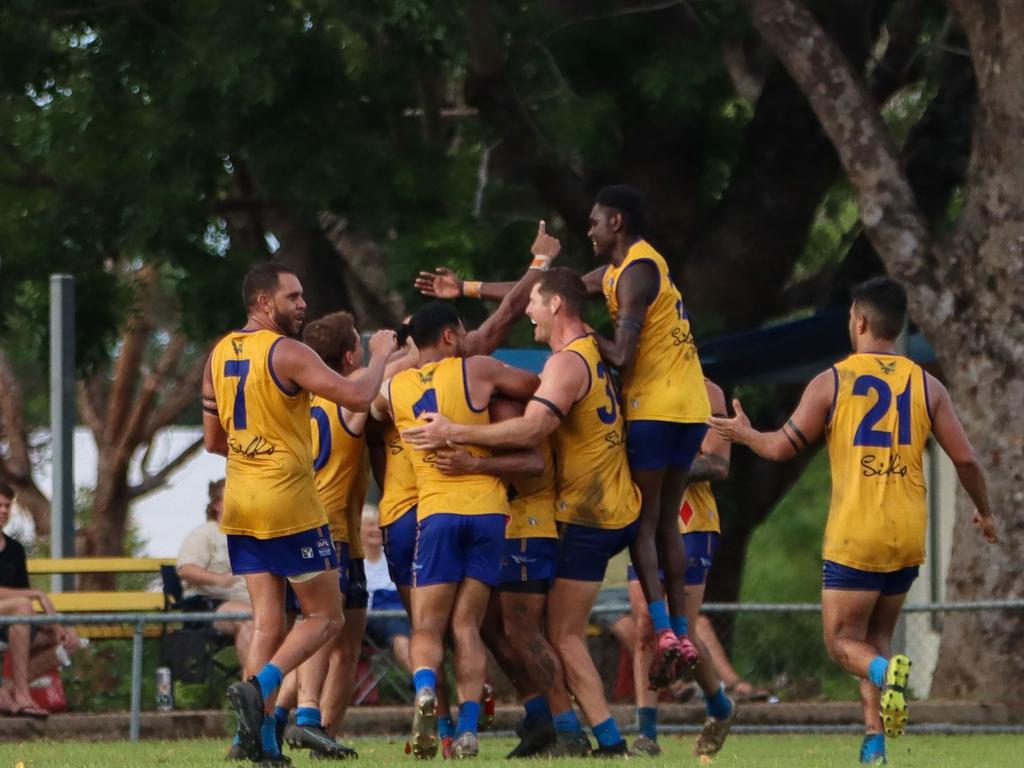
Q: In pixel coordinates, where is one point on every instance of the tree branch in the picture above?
(888, 208)
(134, 432)
(177, 399)
(17, 467)
(152, 482)
(90, 406)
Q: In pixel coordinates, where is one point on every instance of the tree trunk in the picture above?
(108, 518)
(966, 294)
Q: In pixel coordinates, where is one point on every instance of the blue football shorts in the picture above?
(700, 554)
(452, 547)
(836, 576)
(399, 540)
(584, 552)
(528, 565)
(662, 444)
(293, 555)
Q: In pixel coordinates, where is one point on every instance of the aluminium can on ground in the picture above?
(164, 689)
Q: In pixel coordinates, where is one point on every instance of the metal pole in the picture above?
(133, 733)
(62, 423)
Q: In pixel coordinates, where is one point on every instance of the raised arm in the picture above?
(594, 280)
(563, 381)
(712, 463)
(804, 427)
(635, 291)
(215, 439)
(297, 365)
(949, 433)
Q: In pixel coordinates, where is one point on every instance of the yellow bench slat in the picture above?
(107, 602)
(118, 632)
(44, 565)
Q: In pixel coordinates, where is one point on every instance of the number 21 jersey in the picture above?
(876, 435)
(270, 490)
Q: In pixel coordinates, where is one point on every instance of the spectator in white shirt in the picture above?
(205, 570)
(390, 633)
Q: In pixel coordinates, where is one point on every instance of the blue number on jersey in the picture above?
(866, 433)
(426, 404)
(239, 368)
(607, 415)
(323, 425)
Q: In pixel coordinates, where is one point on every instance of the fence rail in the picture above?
(140, 620)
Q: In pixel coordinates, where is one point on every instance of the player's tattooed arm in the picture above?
(635, 291)
(805, 426)
(952, 438)
(456, 460)
(215, 439)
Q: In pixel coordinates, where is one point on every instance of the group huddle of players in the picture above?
(506, 494)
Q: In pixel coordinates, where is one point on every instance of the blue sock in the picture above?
(537, 710)
(607, 733)
(717, 704)
(647, 722)
(424, 678)
(567, 722)
(659, 615)
(876, 671)
(307, 716)
(268, 735)
(872, 746)
(269, 678)
(469, 718)
(445, 727)
(679, 625)
(281, 715)
(238, 738)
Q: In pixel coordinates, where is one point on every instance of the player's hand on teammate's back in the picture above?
(442, 283)
(455, 460)
(383, 342)
(545, 245)
(734, 429)
(987, 526)
(435, 433)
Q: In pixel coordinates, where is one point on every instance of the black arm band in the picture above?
(209, 410)
(554, 408)
(792, 442)
(796, 431)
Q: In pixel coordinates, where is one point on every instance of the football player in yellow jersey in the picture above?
(256, 412)
(514, 626)
(598, 504)
(700, 528)
(326, 680)
(460, 521)
(876, 409)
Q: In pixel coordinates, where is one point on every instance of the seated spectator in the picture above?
(204, 568)
(391, 633)
(33, 648)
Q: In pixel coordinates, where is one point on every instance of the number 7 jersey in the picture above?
(877, 430)
(270, 490)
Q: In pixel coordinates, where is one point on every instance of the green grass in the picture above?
(755, 751)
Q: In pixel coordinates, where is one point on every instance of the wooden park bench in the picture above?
(106, 601)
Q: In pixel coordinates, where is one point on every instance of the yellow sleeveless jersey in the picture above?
(699, 512)
(592, 475)
(270, 490)
(665, 381)
(400, 491)
(356, 502)
(440, 387)
(532, 502)
(876, 436)
(338, 456)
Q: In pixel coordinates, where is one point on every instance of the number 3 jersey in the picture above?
(270, 490)
(880, 422)
(442, 387)
(592, 475)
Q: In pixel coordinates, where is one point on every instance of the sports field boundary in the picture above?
(786, 717)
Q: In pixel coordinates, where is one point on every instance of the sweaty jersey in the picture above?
(400, 492)
(876, 434)
(270, 490)
(592, 475)
(665, 381)
(532, 502)
(699, 511)
(442, 387)
(338, 461)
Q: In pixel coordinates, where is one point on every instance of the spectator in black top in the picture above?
(32, 652)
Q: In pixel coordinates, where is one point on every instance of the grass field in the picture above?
(754, 751)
